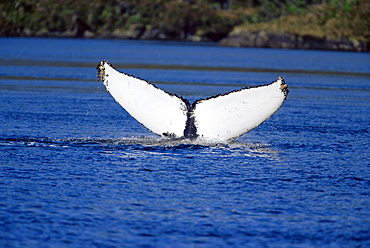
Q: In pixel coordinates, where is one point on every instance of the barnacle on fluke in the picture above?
(283, 86)
(100, 68)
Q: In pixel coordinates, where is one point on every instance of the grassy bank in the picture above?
(332, 20)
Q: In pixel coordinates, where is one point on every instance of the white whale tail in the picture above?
(221, 117)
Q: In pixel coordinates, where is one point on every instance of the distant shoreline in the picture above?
(292, 41)
(338, 25)
(258, 39)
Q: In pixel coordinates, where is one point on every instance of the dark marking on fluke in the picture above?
(190, 131)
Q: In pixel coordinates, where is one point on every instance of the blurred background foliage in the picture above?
(209, 20)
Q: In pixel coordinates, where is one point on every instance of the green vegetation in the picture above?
(334, 19)
(132, 18)
(183, 19)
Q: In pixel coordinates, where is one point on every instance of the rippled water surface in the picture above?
(77, 171)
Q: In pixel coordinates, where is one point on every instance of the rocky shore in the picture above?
(292, 41)
(261, 39)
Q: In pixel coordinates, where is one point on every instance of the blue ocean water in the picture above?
(77, 171)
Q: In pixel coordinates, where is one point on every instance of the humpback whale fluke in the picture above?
(220, 117)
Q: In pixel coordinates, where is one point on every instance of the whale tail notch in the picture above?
(222, 117)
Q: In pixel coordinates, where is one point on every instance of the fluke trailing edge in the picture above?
(221, 117)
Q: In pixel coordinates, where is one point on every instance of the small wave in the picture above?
(141, 147)
(144, 143)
